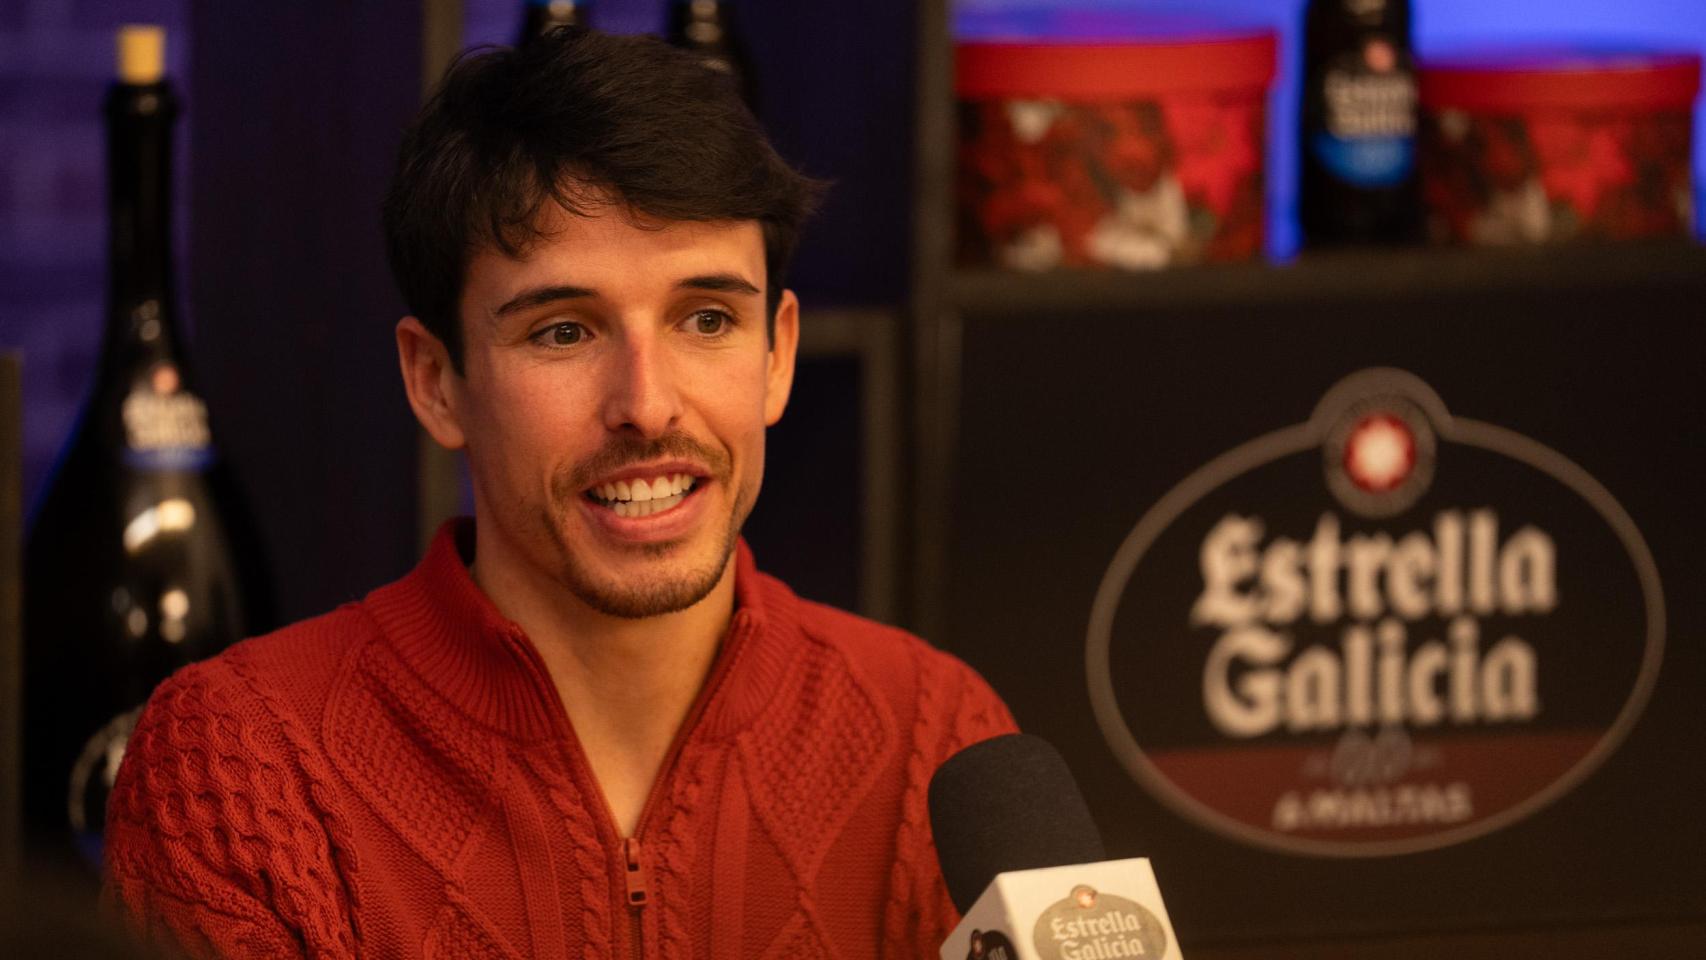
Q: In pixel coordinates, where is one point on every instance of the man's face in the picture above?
(617, 385)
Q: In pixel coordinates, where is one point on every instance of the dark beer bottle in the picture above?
(707, 29)
(139, 559)
(1357, 151)
(543, 16)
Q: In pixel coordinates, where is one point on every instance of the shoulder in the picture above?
(215, 831)
(294, 668)
(205, 732)
(236, 727)
(208, 747)
(890, 655)
(309, 650)
(256, 702)
(932, 688)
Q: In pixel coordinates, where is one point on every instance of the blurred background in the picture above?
(978, 425)
(848, 117)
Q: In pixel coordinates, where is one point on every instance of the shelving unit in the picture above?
(1347, 276)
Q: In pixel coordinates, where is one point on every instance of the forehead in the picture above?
(614, 251)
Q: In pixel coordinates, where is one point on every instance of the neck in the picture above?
(627, 684)
(616, 659)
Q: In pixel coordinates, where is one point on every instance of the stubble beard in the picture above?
(669, 591)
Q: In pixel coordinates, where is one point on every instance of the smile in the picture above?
(641, 497)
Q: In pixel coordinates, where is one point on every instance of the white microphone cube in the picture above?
(1110, 910)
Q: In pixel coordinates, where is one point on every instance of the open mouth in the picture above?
(642, 497)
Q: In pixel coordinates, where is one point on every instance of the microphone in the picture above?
(1025, 867)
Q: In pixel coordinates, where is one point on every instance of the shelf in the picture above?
(1358, 275)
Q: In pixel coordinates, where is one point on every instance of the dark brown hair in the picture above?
(577, 118)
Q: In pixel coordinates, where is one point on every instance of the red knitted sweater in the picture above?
(399, 779)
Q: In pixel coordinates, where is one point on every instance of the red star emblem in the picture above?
(1380, 452)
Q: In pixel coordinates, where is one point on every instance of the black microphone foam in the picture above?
(1007, 804)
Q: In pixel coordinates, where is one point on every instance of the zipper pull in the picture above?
(639, 881)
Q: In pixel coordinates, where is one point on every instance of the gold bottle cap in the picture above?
(141, 54)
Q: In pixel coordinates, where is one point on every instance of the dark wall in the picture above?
(298, 109)
(836, 94)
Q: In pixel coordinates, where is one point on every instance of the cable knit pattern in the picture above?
(802, 940)
(842, 728)
(232, 830)
(589, 863)
(389, 737)
(676, 852)
(914, 830)
(456, 936)
(955, 711)
(398, 779)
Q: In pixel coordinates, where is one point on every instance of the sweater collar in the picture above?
(449, 633)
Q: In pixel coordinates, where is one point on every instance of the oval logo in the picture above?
(1090, 925)
(1383, 630)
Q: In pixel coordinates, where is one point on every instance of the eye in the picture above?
(711, 323)
(561, 335)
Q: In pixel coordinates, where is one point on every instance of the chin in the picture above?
(653, 584)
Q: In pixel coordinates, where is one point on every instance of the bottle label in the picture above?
(92, 778)
(165, 426)
(1368, 162)
(1369, 103)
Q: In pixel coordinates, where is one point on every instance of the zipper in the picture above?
(639, 892)
(638, 878)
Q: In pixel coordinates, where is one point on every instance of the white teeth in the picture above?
(642, 498)
(644, 508)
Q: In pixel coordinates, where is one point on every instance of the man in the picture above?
(585, 725)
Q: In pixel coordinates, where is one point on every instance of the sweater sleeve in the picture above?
(956, 709)
(215, 844)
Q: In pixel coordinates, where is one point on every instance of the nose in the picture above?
(642, 394)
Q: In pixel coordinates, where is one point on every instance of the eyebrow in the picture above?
(539, 296)
(719, 283)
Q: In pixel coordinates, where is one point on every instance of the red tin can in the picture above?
(1135, 152)
(1530, 146)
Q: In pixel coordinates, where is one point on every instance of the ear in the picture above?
(433, 385)
(779, 374)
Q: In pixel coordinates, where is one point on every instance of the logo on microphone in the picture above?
(1386, 629)
(1088, 925)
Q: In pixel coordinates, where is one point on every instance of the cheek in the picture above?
(524, 429)
(741, 409)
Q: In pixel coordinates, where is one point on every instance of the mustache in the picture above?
(625, 450)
